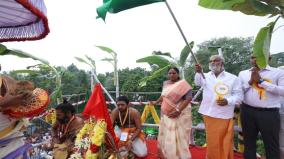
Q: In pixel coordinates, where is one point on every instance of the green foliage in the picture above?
(75, 81)
(129, 82)
(236, 52)
(249, 7)
(156, 74)
(163, 61)
(85, 62)
(277, 60)
(219, 4)
(184, 54)
(159, 60)
(261, 48)
(258, 8)
(19, 53)
(106, 49)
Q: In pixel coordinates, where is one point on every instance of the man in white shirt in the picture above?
(262, 89)
(222, 90)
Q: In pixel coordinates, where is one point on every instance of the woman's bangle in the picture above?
(177, 109)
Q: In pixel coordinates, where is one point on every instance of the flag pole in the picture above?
(183, 36)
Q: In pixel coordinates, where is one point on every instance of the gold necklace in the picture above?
(124, 120)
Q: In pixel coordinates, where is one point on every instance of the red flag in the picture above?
(96, 107)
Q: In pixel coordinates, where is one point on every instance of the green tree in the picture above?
(277, 60)
(236, 52)
(271, 8)
(75, 81)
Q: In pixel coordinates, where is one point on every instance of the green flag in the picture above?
(115, 6)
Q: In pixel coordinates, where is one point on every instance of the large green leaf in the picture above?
(219, 4)
(93, 62)
(255, 7)
(249, 7)
(261, 46)
(81, 60)
(156, 74)
(274, 2)
(106, 49)
(155, 59)
(184, 54)
(2, 48)
(20, 54)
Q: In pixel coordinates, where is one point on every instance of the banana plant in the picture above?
(57, 94)
(271, 8)
(164, 61)
(112, 61)
(94, 76)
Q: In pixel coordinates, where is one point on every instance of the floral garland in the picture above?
(89, 140)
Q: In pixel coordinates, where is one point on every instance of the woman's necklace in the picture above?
(124, 120)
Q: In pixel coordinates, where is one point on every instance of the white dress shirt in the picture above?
(273, 90)
(208, 105)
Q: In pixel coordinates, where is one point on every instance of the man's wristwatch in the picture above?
(260, 81)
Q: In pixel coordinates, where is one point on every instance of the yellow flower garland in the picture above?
(92, 133)
(99, 133)
(50, 117)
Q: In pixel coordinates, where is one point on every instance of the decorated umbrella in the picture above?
(22, 20)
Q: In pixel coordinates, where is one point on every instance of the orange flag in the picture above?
(96, 107)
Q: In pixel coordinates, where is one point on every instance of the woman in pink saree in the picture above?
(175, 125)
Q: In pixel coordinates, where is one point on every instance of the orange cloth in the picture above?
(219, 138)
(130, 131)
(172, 94)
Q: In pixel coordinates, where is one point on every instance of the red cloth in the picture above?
(96, 107)
(197, 152)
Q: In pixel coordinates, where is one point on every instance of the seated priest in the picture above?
(65, 130)
(127, 123)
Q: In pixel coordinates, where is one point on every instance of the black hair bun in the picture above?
(65, 100)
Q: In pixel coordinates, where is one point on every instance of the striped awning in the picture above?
(22, 20)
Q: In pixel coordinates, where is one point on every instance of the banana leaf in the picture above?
(155, 59)
(184, 54)
(5, 51)
(156, 74)
(82, 60)
(93, 63)
(261, 46)
(106, 49)
(249, 7)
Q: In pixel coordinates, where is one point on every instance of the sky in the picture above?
(132, 34)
